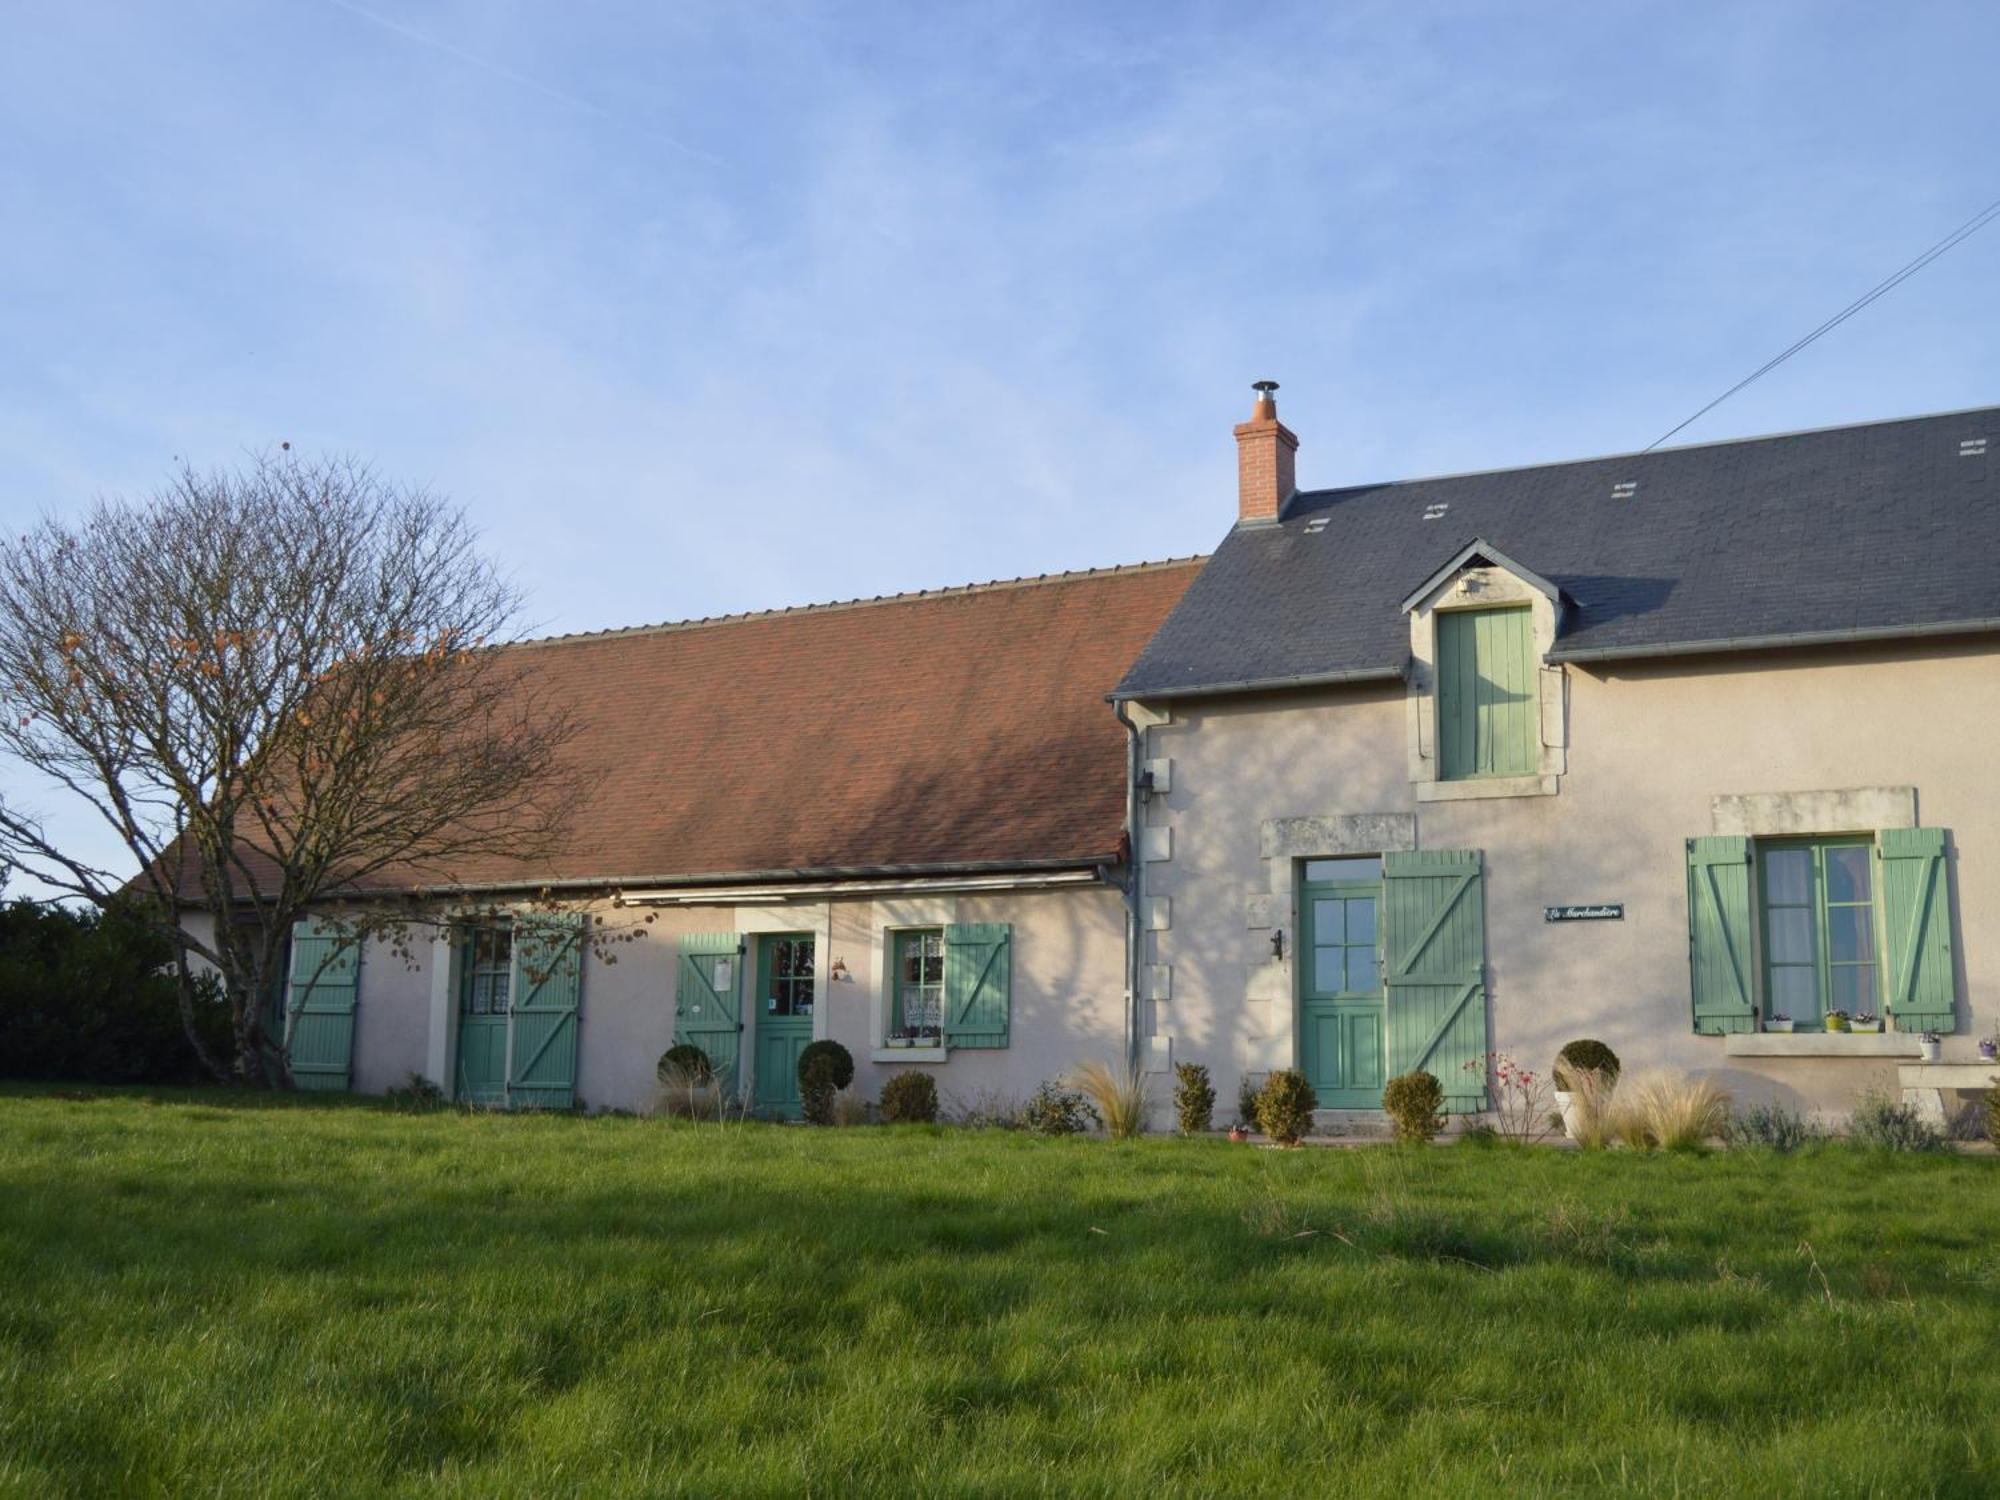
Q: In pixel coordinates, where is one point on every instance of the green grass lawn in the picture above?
(223, 1295)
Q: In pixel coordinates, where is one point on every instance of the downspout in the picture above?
(1135, 864)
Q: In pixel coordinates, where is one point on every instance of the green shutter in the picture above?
(977, 984)
(325, 982)
(1719, 924)
(1918, 981)
(707, 1007)
(543, 995)
(1488, 699)
(1434, 970)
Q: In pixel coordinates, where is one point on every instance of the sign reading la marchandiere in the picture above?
(1600, 911)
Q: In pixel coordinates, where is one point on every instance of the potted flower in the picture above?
(1777, 1020)
(900, 1037)
(1867, 1021)
(1928, 1044)
(1836, 1020)
(1989, 1049)
(929, 1036)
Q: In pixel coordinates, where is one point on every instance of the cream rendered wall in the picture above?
(1650, 747)
(391, 1015)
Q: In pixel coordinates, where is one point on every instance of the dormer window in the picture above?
(1488, 699)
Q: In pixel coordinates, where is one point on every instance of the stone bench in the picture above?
(1923, 1084)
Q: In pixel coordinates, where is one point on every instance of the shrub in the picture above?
(1669, 1111)
(417, 1095)
(1886, 1125)
(824, 1069)
(1246, 1100)
(1415, 1102)
(849, 1107)
(910, 1098)
(1118, 1095)
(1285, 1106)
(1584, 1056)
(1055, 1110)
(1993, 1116)
(1194, 1098)
(682, 1060)
(1520, 1098)
(989, 1109)
(1774, 1127)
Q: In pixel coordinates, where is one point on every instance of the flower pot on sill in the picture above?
(1783, 1027)
(1989, 1052)
(1836, 1023)
(899, 1041)
(1866, 1028)
(1927, 1051)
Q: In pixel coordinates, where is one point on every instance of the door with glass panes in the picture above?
(1340, 981)
(784, 1017)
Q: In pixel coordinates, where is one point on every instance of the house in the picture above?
(1654, 748)
(840, 821)
(1658, 749)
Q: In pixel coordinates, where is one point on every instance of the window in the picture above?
(489, 967)
(1488, 697)
(1820, 948)
(791, 978)
(918, 1001)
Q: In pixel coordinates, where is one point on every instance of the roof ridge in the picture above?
(1638, 453)
(952, 591)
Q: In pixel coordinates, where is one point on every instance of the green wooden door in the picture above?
(325, 981)
(708, 1005)
(485, 976)
(784, 1023)
(1488, 703)
(1340, 992)
(544, 997)
(1434, 956)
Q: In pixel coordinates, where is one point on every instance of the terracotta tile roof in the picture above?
(947, 729)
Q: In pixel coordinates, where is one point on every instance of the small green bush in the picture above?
(825, 1068)
(1415, 1102)
(418, 1095)
(1993, 1116)
(838, 1059)
(1884, 1124)
(910, 1098)
(1773, 1127)
(1246, 1101)
(1055, 1110)
(682, 1061)
(1285, 1106)
(1194, 1098)
(1585, 1056)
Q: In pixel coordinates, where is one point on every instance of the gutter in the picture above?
(1851, 636)
(1135, 866)
(722, 880)
(751, 894)
(1256, 684)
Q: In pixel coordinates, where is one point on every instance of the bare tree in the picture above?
(279, 686)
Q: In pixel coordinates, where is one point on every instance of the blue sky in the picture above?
(710, 307)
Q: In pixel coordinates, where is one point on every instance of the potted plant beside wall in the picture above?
(1778, 1021)
(1836, 1020)
(1867, 1021)
(1989, 1049)
(1929, 1044)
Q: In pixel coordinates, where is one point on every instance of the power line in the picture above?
(1882, 288)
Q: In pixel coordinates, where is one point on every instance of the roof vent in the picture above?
(1971, 447)
(1625, 489)
(1436, 509)
(1316, 525)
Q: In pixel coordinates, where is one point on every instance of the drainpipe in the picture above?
(1135, 864)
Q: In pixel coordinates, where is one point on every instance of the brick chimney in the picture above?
(1265, 451)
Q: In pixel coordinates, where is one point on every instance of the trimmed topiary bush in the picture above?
(1055, 1110)
(1415, 1102)
(1585, 1056)
(825, 1068)
(910, 1098)
(1285, 1106)
(1194, 1098)
(682, 1061)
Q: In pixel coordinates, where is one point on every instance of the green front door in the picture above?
(1340, 982)
(784, 1018)
(485, 977)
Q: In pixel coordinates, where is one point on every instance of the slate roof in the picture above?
(946, 731)
(1882, 529)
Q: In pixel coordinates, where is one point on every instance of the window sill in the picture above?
(908, 1054)
(1823, 1044)
(1488, 786)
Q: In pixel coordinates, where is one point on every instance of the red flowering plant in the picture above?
(1519, 1097)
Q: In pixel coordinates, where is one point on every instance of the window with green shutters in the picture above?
(1488, 700)
(917, 999)
(1801, 927)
